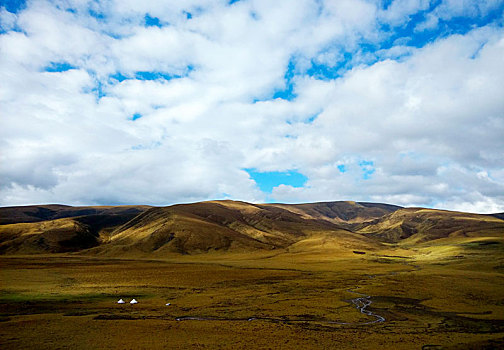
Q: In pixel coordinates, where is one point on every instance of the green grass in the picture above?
(459, 302)
(483, 245)
(22, 297)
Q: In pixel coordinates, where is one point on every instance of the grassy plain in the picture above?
(437, 296)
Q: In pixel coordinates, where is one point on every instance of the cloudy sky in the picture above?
(162, 102)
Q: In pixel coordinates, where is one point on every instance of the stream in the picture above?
(361, 303)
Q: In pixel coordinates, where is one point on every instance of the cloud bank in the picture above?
(149, 102)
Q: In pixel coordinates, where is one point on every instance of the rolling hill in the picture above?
(341, 212)
(59, 228)
(37, 213)
(222, 225)
(231, 226)
(418, 225)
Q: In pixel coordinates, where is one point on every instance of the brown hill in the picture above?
(341, 212)
(54, 236)
(416, 225)
(498, 215)
(217, 225)
(37, 213)
(59, 228)
(232, 226)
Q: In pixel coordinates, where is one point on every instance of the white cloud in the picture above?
(398, 11)
(430, 22)
(430, 119)
(455, 8)
(7, 19)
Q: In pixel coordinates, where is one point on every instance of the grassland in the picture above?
(59, 301)
(247, 276)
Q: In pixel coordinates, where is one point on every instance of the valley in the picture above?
(340, 275)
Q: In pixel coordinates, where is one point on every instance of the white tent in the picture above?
(168, 304)
(134, 301)
(121, 301)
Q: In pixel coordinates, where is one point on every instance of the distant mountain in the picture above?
(37, 213)
(231, 226)
(59, 228)
(220, 225)
(498, 215)
(341, 212)
(54, 236)
(417, 225)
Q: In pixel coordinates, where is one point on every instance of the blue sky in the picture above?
(14, 5)
(271, 179)
(113, 102)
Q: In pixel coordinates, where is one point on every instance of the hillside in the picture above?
(219, 225)
(37, 213)
(55, 236)
(232, 226)
(341, 212)
(417, 225)
(59, 228)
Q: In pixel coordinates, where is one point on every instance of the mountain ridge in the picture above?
(230, 226)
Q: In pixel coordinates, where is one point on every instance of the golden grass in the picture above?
(49, 301)
(437, 282)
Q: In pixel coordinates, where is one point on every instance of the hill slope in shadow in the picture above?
(59, 228)
(222, 226)
(231, 226)
(37, 213)
(418, 225)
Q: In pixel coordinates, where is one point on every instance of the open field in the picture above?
(335, 275)
(57, 301)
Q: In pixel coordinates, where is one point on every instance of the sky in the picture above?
(162, 102)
